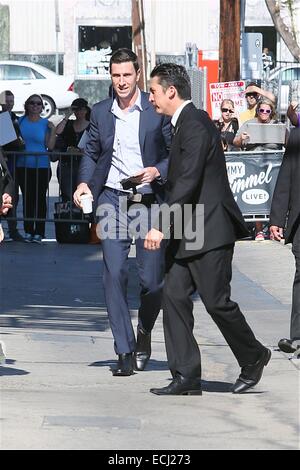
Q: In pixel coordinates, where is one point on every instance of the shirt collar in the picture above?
(178, 111)
(116, 110)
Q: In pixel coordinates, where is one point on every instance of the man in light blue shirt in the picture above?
(127, 138)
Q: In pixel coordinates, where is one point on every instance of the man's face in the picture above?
(251, 99)
(124, 80)
(159, 97)
(9, 103)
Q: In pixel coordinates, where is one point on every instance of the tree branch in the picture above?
(282, 29)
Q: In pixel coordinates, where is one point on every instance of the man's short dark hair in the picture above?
(8, 93)
(124, 55)
(175, 75)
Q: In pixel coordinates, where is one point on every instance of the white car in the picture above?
(27, 78)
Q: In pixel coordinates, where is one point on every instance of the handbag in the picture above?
(75, 231)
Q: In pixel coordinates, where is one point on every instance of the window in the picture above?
(37, 74)
(17, 72)
(290, 75)
(96, 45)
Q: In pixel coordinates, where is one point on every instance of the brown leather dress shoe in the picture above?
(143, 349)
(180, 386)
(251, 374)
(124, 366)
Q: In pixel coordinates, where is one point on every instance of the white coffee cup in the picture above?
(86, 203)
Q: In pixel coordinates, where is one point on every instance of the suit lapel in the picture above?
(174, 147)
(110, 127)
(182, 115)
(143, 121)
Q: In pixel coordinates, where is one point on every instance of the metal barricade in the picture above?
(42, 188)
(252, 178)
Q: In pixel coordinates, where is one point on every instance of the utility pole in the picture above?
(229, 40)
(57, 30)
(138, 35)
(4, 32)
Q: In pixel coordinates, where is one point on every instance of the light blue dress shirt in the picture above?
(127, 158)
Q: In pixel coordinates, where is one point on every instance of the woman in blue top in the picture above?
(34, 172)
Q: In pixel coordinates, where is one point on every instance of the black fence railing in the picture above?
(52, 178)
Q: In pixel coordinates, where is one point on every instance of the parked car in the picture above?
(280, 80)
(27, 78)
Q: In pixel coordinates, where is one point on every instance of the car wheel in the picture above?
(49, 107)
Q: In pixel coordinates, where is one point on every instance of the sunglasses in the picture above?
(264, 111)
(226, 110)
(38, 103)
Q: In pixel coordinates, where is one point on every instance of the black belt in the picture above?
(137, 198)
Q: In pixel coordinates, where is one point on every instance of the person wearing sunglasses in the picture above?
(33, 170)
(265, 114)
(227, 124)
(253, 94)
(69, 133)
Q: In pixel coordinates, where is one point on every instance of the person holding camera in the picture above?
(69, 133)
(227, 124)
(127, 139)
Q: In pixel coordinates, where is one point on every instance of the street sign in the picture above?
(251, 63)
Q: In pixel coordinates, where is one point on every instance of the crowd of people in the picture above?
(32, 173)
(144, 150)
(31, 170)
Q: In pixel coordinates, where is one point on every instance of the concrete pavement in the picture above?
(57, 391)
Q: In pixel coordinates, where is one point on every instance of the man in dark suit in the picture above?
(285, 212)
(127, 139)
(197, 184)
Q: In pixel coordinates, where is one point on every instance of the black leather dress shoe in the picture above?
(286, 345)
(124, 366)
(251, 375)
(180, 386)
(143, 349)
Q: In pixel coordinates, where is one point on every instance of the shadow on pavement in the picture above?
(11, 371)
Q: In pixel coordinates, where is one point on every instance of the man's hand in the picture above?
(276, 233)
(153, 239)
(147, 175)
(82, 188)
(6, 204)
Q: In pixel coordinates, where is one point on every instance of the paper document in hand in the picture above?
(7, 130)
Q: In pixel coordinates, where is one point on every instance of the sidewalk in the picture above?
(57, 391)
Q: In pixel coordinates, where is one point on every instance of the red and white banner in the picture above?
(227, 90)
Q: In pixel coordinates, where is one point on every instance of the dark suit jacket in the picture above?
(285, 209)
(6, 182)
(154, 137)
(197, 175)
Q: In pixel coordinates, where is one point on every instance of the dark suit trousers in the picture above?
(150, 266)
(295, 316)
(210, 274)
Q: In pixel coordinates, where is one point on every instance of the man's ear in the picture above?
(172, 92)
